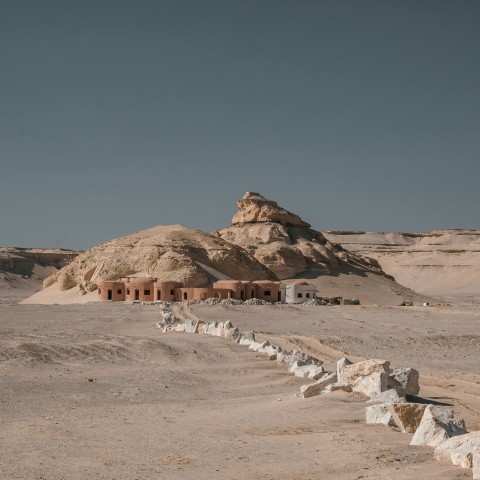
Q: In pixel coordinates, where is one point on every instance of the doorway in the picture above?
(109, 295)
(137, 294)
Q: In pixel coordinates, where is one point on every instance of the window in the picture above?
(307, 295)
(267, 293)
(299, 295)
(146, 292)
(119, 292)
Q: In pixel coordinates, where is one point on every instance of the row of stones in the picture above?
(386, 389)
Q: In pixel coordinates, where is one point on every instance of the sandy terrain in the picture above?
(182, 406)
(443, 263)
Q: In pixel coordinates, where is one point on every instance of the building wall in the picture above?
(149, 290)
(139, 289)
(114, 291)
(268, 291)
(165, 291)
(298, 293)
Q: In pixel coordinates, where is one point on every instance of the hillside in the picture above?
(290, 248)
(442, 263)
(173, 252)
(22, 270)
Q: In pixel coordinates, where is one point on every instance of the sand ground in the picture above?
(96, 391)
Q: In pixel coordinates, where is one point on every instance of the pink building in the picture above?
(150, 289)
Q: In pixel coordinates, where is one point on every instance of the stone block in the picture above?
(407, 416)
(379, 414)
(406, 378)
(369, 377)
(437, 425)
(335, 386)
(316, 388)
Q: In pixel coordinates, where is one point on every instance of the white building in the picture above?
(297, 292)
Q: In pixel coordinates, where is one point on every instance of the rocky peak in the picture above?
(254, 208)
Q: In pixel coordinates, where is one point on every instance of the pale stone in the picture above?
(246, 338)
(476, 463)
(368, 377)
(316, 388)
(407, 416)
(228, 325)
(307, 371)
(285, 357)
(388, 396)
(258, 346)
(190, 326)
(198, 326)
(271, 351)
(463, 454)
(219, 331)
(333, 387)
(342, 363)
(305, 359)
(406, 378)
(379, 414)
(436, 426)
(211, 328)
(232, 333)
(180, 327)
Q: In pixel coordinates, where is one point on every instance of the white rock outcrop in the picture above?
(459, 450)
(437, 425)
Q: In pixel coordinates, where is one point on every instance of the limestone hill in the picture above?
(286, 244)
(290, 248)
(177, 253)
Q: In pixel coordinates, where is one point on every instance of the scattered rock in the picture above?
(314, 372)
(333, 387)
(406, 378)
(379, 414)
(246, 338)
(369, 377)
(316, 388)
(388, 396)
(407, 416)
(476, 463)
(436, 426)
(342, 363)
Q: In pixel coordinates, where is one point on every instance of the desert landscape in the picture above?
(126, 390)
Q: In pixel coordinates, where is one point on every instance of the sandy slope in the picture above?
(442, 263)
(180, 406)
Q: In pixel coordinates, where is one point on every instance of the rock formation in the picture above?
(443, 263)
(286, 244)
(175, 253)
(22, 270)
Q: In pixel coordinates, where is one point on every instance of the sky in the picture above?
(120, 115)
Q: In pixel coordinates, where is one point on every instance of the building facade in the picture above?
(145, 289)
(298, 292)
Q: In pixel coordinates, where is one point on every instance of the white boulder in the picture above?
(379, 414)
(316, 388)
(369, 377)
(436, 426)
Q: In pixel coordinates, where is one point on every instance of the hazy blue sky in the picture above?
(120, 115)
